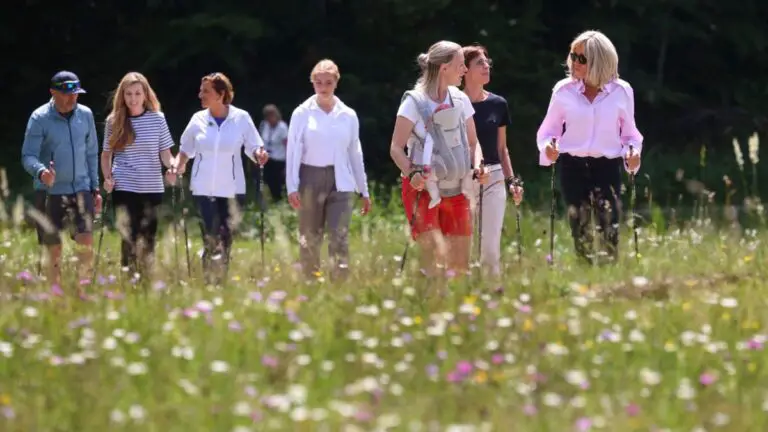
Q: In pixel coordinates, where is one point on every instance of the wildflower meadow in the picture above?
(670, 340)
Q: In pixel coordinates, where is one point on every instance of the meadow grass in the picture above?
(672, 341)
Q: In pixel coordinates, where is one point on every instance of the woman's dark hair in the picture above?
(221, 85)
(472, 52)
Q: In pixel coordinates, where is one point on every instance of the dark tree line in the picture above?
(699, 68)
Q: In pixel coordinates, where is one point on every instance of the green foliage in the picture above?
(696, 66)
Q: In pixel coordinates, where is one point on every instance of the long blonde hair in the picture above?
(439, 53)
(119, 121)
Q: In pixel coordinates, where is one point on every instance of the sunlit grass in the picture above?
(672, 340)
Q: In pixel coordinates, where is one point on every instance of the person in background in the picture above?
(137, 145)
(597, 110)
(442, 68)
(274, 132)
(324, 168)
(215, 138)
(491, 121)
(61, 153)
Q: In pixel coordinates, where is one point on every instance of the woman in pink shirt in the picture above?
(590, 129)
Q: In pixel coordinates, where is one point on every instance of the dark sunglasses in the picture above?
(67, 86)
(581, 58)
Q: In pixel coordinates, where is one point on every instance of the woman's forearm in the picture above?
(166, 157)
(400, 158)
(106, 164)
(181, 159)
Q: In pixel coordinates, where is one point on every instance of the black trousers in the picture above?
(592, 186)
(216, 227)
(274, 178)
(142, 212)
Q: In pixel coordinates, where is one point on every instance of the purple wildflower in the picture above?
(754, 344)
(633, 410)
(707, 379)
(583, 424)
(25, 276)
(234, 326)
(269, 361)
(530, 410)
(432, 370)
(464, 367)
(8, 412)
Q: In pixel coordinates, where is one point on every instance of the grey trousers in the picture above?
(323, 208)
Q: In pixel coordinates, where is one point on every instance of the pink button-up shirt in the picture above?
(603, 128)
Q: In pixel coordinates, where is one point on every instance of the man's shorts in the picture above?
(76, 210)
(452, 217)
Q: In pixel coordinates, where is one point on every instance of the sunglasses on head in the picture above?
(67, 85)
(581, 58)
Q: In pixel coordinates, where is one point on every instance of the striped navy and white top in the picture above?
(138, 168)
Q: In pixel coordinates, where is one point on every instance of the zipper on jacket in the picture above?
(216, 157)
(233, 167)
(72, 146)
(199, 163)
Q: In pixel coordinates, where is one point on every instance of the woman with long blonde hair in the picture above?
(137, 144)
(442, 68)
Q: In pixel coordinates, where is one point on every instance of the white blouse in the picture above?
(323, 139)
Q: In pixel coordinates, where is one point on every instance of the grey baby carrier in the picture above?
(450, 152)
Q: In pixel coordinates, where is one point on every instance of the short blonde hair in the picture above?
(602, 58)
(325, 66)
(439, 53)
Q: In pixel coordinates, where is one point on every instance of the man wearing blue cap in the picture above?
(61, 153)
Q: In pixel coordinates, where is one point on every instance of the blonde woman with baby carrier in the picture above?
(454, 140)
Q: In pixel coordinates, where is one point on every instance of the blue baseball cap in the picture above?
(66, 82)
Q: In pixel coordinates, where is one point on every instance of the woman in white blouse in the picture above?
(274, 132)
(324, 168)
(215, 138)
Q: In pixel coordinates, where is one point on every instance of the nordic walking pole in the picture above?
(552, 210)
(480, 221)
(518, 183)
(184, 227)
(40, 245)
(632, 203)
(410, 224)
(261, 213)
(175, 229)
(101, 235)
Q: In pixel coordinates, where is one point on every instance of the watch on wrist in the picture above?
(513, 180)
(416, 170)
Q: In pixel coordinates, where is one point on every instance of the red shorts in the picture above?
(452, 216)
